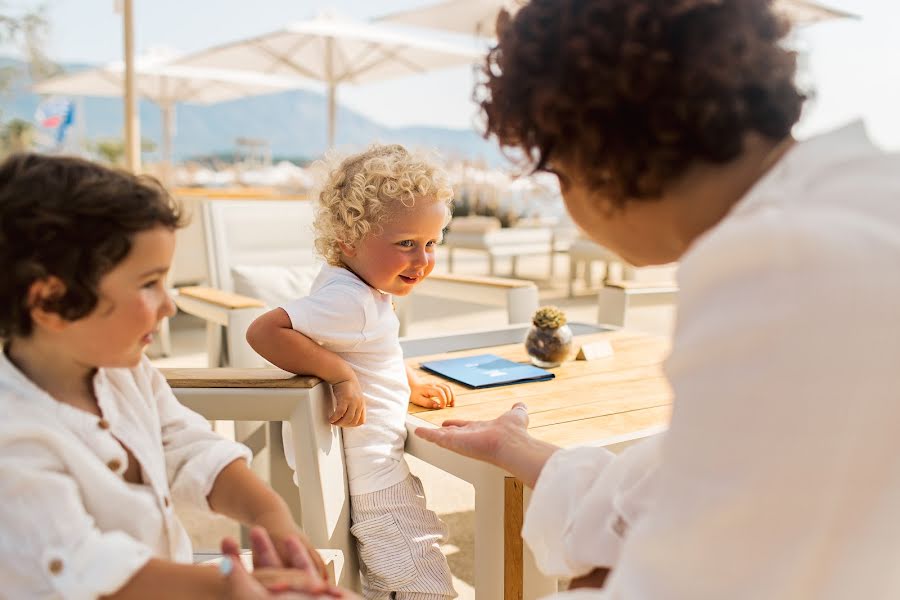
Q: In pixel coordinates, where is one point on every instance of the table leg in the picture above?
(489, 557)
(512, 538)
(534, 583)
(522, 579)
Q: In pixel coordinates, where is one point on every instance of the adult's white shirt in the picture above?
(780, 472)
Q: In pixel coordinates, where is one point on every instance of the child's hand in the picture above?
(273, 549)
(431, 395)
(296, 579)
(349, 404)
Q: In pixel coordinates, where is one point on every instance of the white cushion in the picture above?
(274, 285)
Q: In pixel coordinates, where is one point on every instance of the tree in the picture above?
(16, 136)
(27, 31)
(112, 150)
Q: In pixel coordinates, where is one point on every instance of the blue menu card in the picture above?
(485, 370)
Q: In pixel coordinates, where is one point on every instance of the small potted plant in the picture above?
(549, 340)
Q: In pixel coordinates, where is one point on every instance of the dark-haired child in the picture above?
(94, 448)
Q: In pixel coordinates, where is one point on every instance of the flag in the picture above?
(55, 113)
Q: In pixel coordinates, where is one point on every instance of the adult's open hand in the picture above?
(482, 440)
(503, 442)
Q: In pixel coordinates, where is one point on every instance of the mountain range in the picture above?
(293, 124)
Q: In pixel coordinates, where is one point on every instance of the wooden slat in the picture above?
(237, 378)
(643, 286)
(513, 518)
(221, 298)
(248, 193)
(568, 395)
(587, 431)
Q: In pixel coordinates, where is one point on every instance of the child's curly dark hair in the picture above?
(71, 219)
(631, 92)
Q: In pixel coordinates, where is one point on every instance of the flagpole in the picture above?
(132, 126)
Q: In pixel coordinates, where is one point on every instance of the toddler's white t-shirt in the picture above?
(357, 322)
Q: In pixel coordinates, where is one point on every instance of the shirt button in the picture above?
(114, 464)
(55, 566)
(620, 527)
(103, 424)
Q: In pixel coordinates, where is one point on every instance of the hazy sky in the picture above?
(852, 63)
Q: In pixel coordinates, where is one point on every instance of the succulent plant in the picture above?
(549, 317)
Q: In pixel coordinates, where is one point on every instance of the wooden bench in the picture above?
(617, 297)
(499, 243)
(518, 296)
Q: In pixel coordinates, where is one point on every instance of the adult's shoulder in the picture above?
(797, 244)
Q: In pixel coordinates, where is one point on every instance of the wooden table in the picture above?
(605, 402)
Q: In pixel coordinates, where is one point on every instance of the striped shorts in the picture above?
(398, 541)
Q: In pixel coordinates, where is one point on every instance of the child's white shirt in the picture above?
(72, 526)
(355, 321)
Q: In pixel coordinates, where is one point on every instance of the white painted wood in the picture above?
(489, 483)
(323, 492)
(582, 253)
(614, 302)
(534, 583)
(479, 338)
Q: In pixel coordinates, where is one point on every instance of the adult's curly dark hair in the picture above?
(72, 219)
(631, 92)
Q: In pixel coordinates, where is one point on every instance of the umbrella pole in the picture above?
(332, 105)
(329, 73)
(168, 129)
(132, 126)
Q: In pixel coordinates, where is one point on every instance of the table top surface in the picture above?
(586, 402)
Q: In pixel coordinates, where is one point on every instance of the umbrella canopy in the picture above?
(479, 16)
(804, 12)
(476, 17)
(166, 84)
(335, 51)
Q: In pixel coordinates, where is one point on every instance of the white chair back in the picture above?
(257, 233)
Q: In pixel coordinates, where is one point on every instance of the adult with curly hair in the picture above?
(668, 123)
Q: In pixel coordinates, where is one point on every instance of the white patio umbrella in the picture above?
(335, 51)
(479, 17)
(476, 17)
(166, 85)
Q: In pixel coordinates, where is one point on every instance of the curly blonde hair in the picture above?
(363, 190)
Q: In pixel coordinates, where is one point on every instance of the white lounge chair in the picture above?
(583, 253)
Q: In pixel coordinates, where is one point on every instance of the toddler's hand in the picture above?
(349, 404)
(431, 395)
